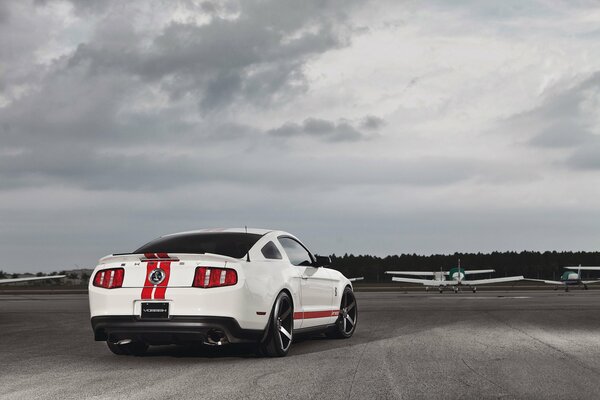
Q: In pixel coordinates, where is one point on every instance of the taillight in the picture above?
(109, 278)
(207, 277)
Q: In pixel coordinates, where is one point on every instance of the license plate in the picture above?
(155, 310)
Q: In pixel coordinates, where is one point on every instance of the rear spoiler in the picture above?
(150, 256)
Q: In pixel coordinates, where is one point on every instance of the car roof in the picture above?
(257, 231)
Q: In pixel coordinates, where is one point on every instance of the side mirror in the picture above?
(322, 261)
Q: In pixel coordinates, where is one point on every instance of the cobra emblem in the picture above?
(157, 276)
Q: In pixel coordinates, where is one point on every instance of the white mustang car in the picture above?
(217, 287)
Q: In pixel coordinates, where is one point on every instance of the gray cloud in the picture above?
(127, 119)
(151, 170)
(562, 134)
(84, 102)
(4, 13)
(328, 131)
(586, 157)
(255, 57)
(567, 120)
(371, 122)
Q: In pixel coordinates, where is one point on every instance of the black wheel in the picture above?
(474, 290)
(348, 317)
(585, 287)
(132, 348)
(281, 327)
(566, 288)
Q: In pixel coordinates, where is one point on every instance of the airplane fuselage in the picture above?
(570, 278)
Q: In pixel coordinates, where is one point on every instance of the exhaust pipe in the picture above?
(216, 337)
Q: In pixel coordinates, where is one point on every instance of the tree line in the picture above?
(531, 264)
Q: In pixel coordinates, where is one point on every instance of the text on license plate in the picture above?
(155, 310)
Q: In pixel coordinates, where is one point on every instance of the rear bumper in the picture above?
(177, 329)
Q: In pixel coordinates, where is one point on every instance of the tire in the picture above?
(280, 329)
(348, 317)
(133, 348)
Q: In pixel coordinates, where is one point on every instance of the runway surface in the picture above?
(509, 344)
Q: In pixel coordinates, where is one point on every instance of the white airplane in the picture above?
(35, 278)
(453, 278)
(570, 277)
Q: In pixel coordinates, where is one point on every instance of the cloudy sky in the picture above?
(363, 127)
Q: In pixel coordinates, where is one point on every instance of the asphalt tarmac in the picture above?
(506, 344)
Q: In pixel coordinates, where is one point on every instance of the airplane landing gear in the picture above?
(441, 291)
(566, 288)
(474, 290)
(455, 290)
(584, 287)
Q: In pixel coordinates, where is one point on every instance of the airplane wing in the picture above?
(411, 273)
(35, 278)
(356, 279)
(545, 281)
(425, 282)
(583, 268)
(492, 280)
(478, 271)
(590, 282)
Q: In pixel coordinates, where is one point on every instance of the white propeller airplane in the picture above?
(453, 278)
(570, 277)
(35, 278)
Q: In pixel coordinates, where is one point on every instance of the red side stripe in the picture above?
(161, 289)
(162, 255)
(150, 255)
(148, 286)
(316, 314)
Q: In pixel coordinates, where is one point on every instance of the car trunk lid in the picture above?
(154, 272)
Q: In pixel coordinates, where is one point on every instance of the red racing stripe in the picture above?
(316, 314)
(148, 286)
(161, 289)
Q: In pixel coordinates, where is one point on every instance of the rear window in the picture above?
(231, 244)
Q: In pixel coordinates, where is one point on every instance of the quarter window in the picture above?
(297, 254)
(271, 252)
